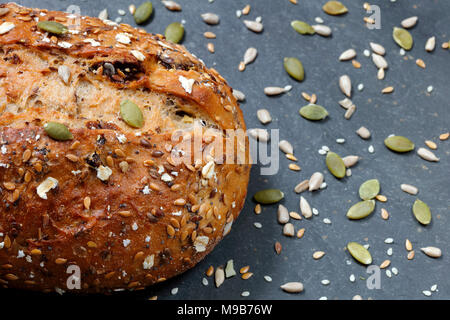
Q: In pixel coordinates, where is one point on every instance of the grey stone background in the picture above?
(409, 111)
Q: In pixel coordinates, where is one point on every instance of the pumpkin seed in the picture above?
(302, 27)
(131, 114)
(143, 12)
(399, 144)
(361, 209)
(369, 189)
(52, 27)
(174, 32)
(334, 8)
(335, 164)
(294, 68)
(268, 196)
(313, 112)
(57, 131)
(359, 253)
(422, 212)
(403, 38)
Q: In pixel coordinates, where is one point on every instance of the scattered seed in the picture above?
(210, 271)
(229, 269)
(288, 230)
(350, 111)
(345, 103)
(303, 186)
(380, 74)
(410, 255)
(347, 55)
(210, 18)
(209, 35)
(350, 161)
(356, 65)
(305, 208)
(399, 144)
(385, 264)
(384, 214)
(246, 10)
(294, 68)
(257, 225)
(268, 278)
(263, 116)
(430, 44)
(345, 84)
(300, 233)
(282, 214)
(268, 196)
(444, 136)
(318, 254)
(257, 208)
(174, 32)
(431, 144)
(334, 8)
(420, 63)
(143, 12)
(369, 189)
(259, 134)
(250, 55)
(272, 91)
(359, 253)
(409, 22)
(427, 155)
(295, 215)
(361, 210)
(291, 157)
(403, 38)
(171, 5)
(278, 247)
(294, 167)
(239, 95)
(379, 61)
(313, 112)
(409, 189)
(377, 48)
(315, 181)
(286, 147)
(322, 30)
(292, 287)
(335, 165)
(408, 245)
(421, 212)
(432, 252)
(219, 276)
(302, 27)
(210, 47)
(254, 26)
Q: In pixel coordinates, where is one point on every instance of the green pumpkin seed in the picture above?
(421, 212)
(399, 144)
(334, 8)
(369, 189)
(359, 253)
(403, 38)
(52, 27)
(302, 27)
(57, 131)
(143, 12)
(313, 112)
(294, 68)
(174, 32)
(336, 165)
(131, 114)
(268, 196)
(361, 209)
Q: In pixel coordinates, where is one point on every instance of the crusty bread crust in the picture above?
(122, 209)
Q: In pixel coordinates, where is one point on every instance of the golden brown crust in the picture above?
(149, 217)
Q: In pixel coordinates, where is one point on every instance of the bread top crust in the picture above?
(112, 200)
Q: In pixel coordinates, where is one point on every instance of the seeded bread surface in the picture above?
(112, 200)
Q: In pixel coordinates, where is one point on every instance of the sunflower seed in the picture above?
(302, 186)
(210, 18)
(346, 103)
(302, 27)
(305, 208)
(254, 26)
(431, 44)
(52, 27)
(409, 22)
(369, 189)
(427, 155)
(171, 5)
(347, 55)
(143, 12)
(268, 196)
(259, 134)
(239, 95)
(421, 212)
(315, 181)
(64, 73)
(288, 230)
(334, 8)
(379, 61)
(350, 111)
(322, 30)
(273, 91)
(380, 74)
(335, 165)
(263, 116)
(432, 252)
(174, 32)
(219, 276)
(131, 114)
(103, 15)
(363, 132)
(346, 85)
(313, 112)
(286, 147)
(57, 131)
(399, 144)
(292, 287)
(403, 38)
(294, 68)
(361, 209)
(282, 214)
(350, 161)
(250, 55)
(409, 189)
(378, 48)
(359, 253)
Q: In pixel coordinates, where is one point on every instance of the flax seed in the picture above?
(294, 167)
(241, 66)
(244, 269)
(170, 230)
(258, 209)
(431, 144)
(9, 186)
(318, 254)
(411, 255)
(72, 157)
(306, 96)
(420, 63)
(60, 261)
(210, 47)
(35, 252)
(210, 271)
(300, 233)
(384, 214)
(209, 35)
(444, 136)
(408, 245)
(356, 64)
(247, 275)
(387, 90)
(87, 203)
(278, 247)
(26, 155)
(381, 198)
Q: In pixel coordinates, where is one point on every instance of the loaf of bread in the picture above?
(101, 184)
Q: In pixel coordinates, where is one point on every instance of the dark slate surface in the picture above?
(409, 111)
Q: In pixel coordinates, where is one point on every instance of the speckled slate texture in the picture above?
(409, 111)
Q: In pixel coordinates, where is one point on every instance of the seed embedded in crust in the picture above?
(87, 203)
